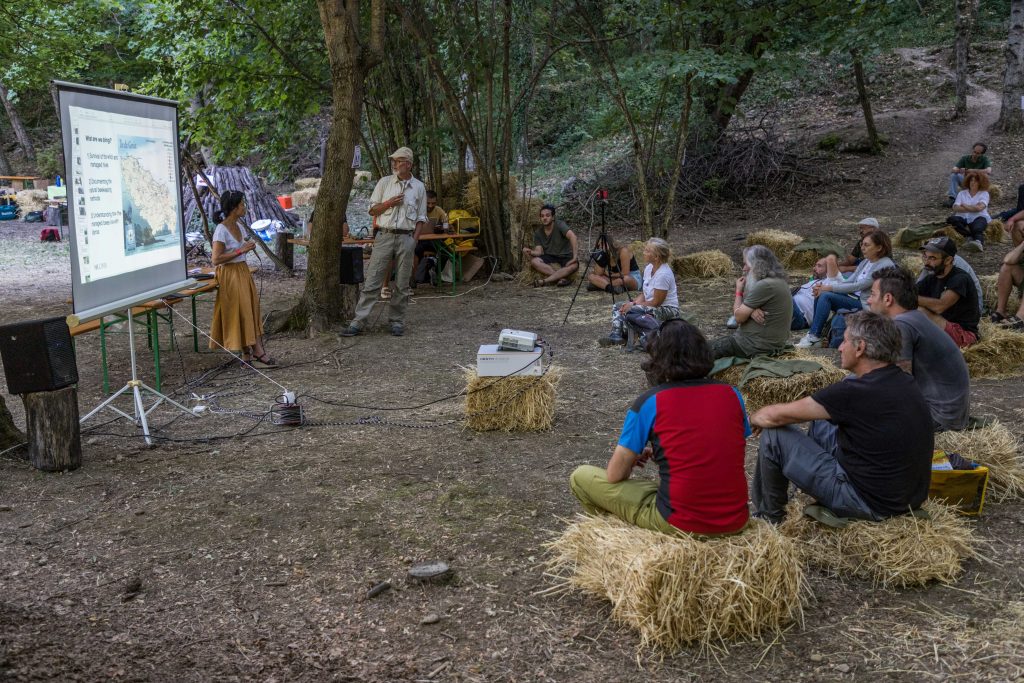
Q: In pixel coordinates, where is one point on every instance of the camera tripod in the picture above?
(602, 238)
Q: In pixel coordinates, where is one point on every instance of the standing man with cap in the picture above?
(399, 203)
(865, 226)
(947, 294)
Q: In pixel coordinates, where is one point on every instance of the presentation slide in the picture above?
(124, 197)
(125, 192)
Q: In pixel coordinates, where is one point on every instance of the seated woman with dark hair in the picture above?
(695, 430)
(971, 212)
(608, 259)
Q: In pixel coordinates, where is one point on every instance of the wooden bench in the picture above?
(18, 181)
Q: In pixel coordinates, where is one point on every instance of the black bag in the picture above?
(426, 265)
(34, 217)
(644, 324)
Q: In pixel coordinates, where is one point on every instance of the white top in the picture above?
(664, 279)
(965, 197)
(804, 297)
(223, 235)
(406, 215)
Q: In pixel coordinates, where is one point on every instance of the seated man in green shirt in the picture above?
(975, 162)
(554, 252)
(763, 307)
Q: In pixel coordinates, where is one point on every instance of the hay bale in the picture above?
(305, 197)
(997, 448)
(990, 294)
(995, 232)
(680, 590)
(899, 552)
(999, 354)
(511, 404)
(764, 391)
(912, 262)
(306, 183)
(809, 251)
(637, 247)
(527, 212)
(472, 198)
(779, 241)
(995, 191)
(949, 232)
(703, 264)
(31, 200)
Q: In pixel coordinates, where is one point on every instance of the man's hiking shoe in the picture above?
(613, 339)
(397, 329)
(351, 331)
(973, 245)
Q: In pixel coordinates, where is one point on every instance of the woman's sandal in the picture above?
(997, 317)
(1013, 323)
(264, 361)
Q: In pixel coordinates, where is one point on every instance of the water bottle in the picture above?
(58, 180)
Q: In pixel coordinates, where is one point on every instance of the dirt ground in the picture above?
(238, 550)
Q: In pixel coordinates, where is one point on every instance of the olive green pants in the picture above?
(632, 501)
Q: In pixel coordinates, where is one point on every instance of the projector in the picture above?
(516, 340)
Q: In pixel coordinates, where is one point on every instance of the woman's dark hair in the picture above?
(982, 179)
(880, 239)
(229, 201)
(609, 247)
(678, 352)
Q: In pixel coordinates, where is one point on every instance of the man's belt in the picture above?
(396, 231)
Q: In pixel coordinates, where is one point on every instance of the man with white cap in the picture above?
(399, 203)
(866, 225)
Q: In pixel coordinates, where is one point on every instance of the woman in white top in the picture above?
(237, 323)
(850, 293)
(971, 207)
(658, 299)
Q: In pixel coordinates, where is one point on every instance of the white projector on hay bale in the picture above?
(515, 354)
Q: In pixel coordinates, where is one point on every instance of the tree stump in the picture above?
(285, 250)
(51, 421)
(10, 435)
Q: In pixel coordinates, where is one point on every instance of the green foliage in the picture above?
(49, 161)
(830, 142)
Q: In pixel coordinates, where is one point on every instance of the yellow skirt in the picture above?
(237, 323)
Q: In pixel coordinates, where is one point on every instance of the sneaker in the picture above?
(618, 289)
(351, 331)
(807, 341)
(973, 245)
(591, 287)
(613, 339)
(731, 323)
(397, 329)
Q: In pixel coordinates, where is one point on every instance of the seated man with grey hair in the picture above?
(763, 307)
(867, 452)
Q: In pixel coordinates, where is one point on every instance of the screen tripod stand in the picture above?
(602, 238)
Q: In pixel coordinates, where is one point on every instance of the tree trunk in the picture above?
(10, 435)
(325, 301)
(19, 128)
(54, 437)
(5, 164)
(681, 135)
(966, 11)
(865, 103)
(1011, 115)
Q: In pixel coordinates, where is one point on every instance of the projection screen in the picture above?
(124, 198)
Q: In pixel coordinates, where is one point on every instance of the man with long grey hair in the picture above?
(763, 308)
(867, 451)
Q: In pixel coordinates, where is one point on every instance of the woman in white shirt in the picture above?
(971, 207)
(237, 323)
(658, 299)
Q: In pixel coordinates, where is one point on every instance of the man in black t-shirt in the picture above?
(947, 294)
(867, 452)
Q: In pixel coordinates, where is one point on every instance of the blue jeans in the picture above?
(955, 181)
(826, 304)
(799, 321)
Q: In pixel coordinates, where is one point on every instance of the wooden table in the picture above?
(452, 251)
(18, 181)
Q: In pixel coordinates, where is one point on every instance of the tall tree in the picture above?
(10, 435)
(966, 13)
(1011, 113)
(20, 132)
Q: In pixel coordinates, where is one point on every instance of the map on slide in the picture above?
(149, 206)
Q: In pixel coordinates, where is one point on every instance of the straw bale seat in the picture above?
(999, 353)
(899, 552)
(994, 446)
(703, 264)
(779, 241)
(990, 294)
(511, 404)
(809, 250)
(683, 590)
(762, 391)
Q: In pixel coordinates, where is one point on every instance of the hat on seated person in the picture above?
(873, 222)
(940, 245)
(402, 153)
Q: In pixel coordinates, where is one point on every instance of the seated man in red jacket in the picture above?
(694, 428)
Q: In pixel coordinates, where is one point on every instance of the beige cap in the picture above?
(402, 153)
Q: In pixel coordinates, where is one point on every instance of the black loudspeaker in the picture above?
(38, 356)
(351, 264)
